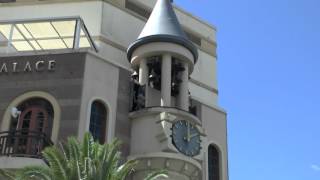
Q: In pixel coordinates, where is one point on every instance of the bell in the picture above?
(152, 76)
(134, 75)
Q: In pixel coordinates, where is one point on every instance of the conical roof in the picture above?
(163, 26)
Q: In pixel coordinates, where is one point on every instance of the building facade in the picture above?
(143, 71)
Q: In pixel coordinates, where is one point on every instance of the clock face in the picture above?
(186, 138)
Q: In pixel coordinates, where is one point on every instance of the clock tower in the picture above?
(142, 71)
(164, 134)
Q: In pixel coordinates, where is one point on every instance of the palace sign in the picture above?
(38, 66)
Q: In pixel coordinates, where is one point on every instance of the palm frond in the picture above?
(88, 160)
(7, 174)
(157, 174)
(74, 148)
(56, 162)
(34, 172)
(124, 170)
(87, 146)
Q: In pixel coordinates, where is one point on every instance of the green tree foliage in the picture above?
(88, 160)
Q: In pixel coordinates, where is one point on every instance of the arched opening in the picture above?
(19, 100)
(98, 121)
(36, 114)
(30, 131)
(213, 163)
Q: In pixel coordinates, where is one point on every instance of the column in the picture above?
(143, 72)
(183, 97)
(166, 80)
(143, 80)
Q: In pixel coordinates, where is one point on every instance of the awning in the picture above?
(44, 35)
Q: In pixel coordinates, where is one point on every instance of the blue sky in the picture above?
(269, 83)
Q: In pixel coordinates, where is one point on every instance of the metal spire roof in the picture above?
(163, 26)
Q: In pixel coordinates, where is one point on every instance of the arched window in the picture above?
(36, 115)
(31, 130)
(213, 163)
(34, 119)
(98, 120)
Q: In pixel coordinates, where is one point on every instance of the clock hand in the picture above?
(193, 135)
(188, 133)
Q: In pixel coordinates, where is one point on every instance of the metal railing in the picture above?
(23, 143)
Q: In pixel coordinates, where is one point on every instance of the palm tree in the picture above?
(88, 160)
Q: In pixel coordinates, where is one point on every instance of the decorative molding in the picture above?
(104, 39)
(198, 83)
(110, 62)
(211, 106)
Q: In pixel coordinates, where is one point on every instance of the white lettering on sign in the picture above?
(38, 66)
(4, 68)
(14, 67)
(27, 67)
(52, 65)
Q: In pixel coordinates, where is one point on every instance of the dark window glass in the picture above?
(26, 120)
(40, 121)
(98, 119)
(213, 163)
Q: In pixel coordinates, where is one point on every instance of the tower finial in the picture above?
(163, 26)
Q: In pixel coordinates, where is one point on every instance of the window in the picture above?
(34, 119)
(98, 119)
(36, 115)
(31, 129)
(213, 163)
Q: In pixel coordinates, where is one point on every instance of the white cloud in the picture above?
(315, 167)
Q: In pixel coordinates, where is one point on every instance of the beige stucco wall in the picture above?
(203, 95)
(120, 26)
(205, 70)
(144, 131)
(215, 125)
(100, 83)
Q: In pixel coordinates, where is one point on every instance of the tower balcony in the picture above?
(23, 143)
